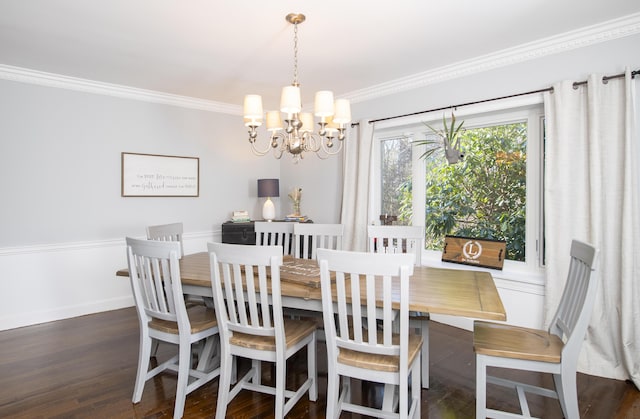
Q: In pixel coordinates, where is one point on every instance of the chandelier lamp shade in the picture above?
(268, 188)
(296, 136)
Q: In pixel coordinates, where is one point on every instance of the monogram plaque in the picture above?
(473, 251)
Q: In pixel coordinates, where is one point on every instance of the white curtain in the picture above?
(355, 213)
(591, 194)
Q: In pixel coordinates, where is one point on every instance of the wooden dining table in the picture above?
(454, 292)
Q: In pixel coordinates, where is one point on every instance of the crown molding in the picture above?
(602, 32)
(584, 37)
(25, 75)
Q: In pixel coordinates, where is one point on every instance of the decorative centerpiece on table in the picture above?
(296, 195)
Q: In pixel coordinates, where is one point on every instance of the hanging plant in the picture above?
(448, 138)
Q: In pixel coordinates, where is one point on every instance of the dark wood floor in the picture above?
(85, 368)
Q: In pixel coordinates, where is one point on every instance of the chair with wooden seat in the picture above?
(275, 234)
(167, 232)
(246, 293)
(404, 239)
(553, 351)
(154, 273)
(362, 340)
(173, 233)
(309, 237)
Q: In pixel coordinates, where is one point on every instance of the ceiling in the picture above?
(221, 50)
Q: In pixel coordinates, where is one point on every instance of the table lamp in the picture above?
(268, 188)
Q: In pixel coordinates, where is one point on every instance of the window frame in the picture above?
(503, 111)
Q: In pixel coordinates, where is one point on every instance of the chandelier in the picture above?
(297, 136)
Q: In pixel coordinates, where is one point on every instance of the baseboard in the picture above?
(38, 317)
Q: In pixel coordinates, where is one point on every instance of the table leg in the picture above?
(388, 404)
(424, 360)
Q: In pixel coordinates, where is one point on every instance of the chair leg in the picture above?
(346, 385)
(257, 372)
(388, 397)
(403, 399)
(184, 366)
(481, 387)
(333, 387)
(234, 369)
(154, 346)
(312, 369)
(281, 373)
(424, 354)
(226, 364)
(144, 354)
(567, 393)
(415, 388)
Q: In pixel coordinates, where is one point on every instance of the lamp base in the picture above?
(268, 210)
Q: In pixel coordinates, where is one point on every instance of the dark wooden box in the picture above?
(238, 233)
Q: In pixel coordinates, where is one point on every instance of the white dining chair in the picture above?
(154, 274)
(553, 351)
(246, 293)
(361, 346)
(275, 234)
(310, 236)
(167, 232)
(396, 239)
(404, 239)
(173, 233)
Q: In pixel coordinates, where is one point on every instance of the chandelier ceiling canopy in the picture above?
(297, 135)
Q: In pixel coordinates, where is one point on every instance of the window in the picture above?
(494, 192)
(396, 178)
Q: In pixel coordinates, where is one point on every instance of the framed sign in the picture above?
(157, 175)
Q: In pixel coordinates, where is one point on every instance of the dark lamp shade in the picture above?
(268, 188)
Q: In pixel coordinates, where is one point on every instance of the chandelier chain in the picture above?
(295, 55)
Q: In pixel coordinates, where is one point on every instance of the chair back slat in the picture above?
(363, 295)
(572, 315)
(167, 232)
(309, 237)
(275, 234)
(396, 239)
(155, 279)
(342, 308)
(252, 292)
(239, 295)
(241, 291)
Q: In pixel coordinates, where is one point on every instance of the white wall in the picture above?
(63, 221)
(321, 183)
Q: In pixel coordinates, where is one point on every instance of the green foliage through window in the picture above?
(396, 178)
(482, 196)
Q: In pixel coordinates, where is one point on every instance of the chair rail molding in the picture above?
(66, 246)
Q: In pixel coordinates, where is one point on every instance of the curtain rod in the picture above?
(548, 89)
